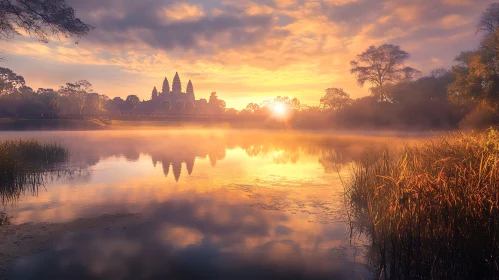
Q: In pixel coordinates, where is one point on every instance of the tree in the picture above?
(94, 103)
(75, 95)
(116, 105)
(382, 65)
(50, 98)
(489, 21)
(253, 107)
(40, 19)
(132, 101)
(231, 111)
(290, 104)
(477, 75)
(9, 80)
(216, 105)
(335, 99)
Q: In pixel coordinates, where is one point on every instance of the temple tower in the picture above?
(154, 94)
(166, 89)
(176, 86)
(190, 92)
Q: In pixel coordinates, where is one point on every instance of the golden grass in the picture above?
(431, 210)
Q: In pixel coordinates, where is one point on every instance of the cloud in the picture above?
(257, 47)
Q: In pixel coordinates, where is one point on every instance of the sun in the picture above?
(279, 109)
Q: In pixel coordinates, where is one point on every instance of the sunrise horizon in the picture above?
(246, 52)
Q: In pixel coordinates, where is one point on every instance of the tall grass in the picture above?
(431, 210)
(24, 165)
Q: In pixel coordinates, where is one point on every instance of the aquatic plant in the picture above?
(431, 210)
(24, 165)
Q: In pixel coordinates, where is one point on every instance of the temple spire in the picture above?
(190, 92)
(154, 94)
(166, 87)
(176, 86)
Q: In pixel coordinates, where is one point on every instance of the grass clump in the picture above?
(431, 210)
(24, 164)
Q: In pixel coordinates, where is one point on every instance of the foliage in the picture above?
(9, 81)
(382, 65)
(132, 101)
(41, 19)
(477, 75)
(292, 104)
(335, 99)
(216, 105)
(489, 21)
(431, 210)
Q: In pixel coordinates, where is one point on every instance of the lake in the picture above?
(190, 204)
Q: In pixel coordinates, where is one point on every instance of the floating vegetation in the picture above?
(431, 210)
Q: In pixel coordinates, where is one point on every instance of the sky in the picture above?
(245, 50)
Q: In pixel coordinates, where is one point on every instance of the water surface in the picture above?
(193, 204)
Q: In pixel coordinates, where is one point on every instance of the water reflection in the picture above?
(218, 204)
(195, 238)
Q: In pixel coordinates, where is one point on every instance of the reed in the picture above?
(431, 210)
(24, 165)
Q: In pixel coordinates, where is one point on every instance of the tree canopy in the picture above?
(335, 99)
(382, 65)
(489, 21)
(41, 19)
(477, 74)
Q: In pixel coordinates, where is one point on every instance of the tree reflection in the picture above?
(173, 149)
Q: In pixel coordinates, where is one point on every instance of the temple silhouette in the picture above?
(175, 94)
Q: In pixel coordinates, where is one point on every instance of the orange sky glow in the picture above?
(246, 51)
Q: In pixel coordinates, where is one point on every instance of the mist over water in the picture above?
(194, 203)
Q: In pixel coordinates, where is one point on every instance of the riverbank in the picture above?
(19, 124)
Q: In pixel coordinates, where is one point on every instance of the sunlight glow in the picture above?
(279, 110)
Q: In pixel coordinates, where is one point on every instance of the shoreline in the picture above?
(21, 124)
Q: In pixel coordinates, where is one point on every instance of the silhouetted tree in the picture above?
(489, 21)
(231, 111)
(216, 105)
(291, 104)
(50, 98)
(74, 95)
(253, 107)
(116, 105)
(382, 65)
(94, 103)
(9, 80)
(132, 101)
(40, 18)
(335, 99)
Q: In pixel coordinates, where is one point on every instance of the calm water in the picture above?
(194, 204)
